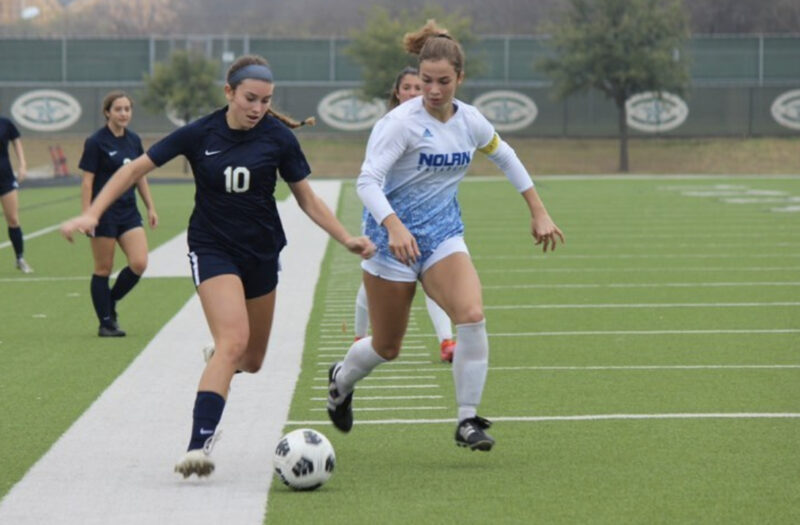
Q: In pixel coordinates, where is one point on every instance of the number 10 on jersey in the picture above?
(237, 180)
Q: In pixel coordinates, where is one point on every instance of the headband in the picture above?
(254, 71)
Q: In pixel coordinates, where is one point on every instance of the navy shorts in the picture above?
(259, 277)
(8, 183)
(116, 229)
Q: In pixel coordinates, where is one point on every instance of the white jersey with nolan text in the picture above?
(417, 162)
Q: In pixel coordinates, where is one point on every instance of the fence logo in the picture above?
(507, 110)
(46, 110)
(343, 109)
(652, 113)
(786, 109)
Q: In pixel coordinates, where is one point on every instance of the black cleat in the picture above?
(110, 331)
(470, 433)
(339, 410)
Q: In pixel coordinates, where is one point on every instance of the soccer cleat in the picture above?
(23, 266)
(110, 330)
(340, 409)
(114, 314)
(446, 349)
(470, 433)
(198, 461)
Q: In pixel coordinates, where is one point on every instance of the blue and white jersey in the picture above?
(103, 154)
(419, 162)
(235, 173)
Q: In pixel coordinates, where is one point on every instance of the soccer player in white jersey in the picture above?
(415, 159)
(407, 85)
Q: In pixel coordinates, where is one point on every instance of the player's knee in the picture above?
(471, 314)
(138, 265)
(388, 350)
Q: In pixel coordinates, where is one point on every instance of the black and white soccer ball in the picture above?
(304, 459)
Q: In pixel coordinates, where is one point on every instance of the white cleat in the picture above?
(23, 266)
(195, 462)
(208, 351)
(198, 461)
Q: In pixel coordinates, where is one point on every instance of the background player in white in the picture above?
(416, 157)
(235, 233)
(407, 85)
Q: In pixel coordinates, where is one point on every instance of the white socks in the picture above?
(361, 321)
(360, 360)
(441, 323)
(470, 363)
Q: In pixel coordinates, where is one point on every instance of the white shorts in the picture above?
(391, 269)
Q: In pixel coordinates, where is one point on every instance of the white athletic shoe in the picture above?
(23, 266)
(208, 351)
(198, 461)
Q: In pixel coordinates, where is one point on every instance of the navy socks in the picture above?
(208, 408)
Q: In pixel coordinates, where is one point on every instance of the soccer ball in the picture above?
(304, 459)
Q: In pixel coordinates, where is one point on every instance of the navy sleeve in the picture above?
(293, 165)
(179, 142)
(138, 141)
(13, 132)
(91, 154)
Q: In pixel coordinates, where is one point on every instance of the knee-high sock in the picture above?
(126, 280)
(101, 298)
(208, 408)
(361, 321)
(441, 323)
(15, 234)
(360, 360)
(470, 363)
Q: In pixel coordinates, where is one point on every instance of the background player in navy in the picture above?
(104, 152)
(235, 233)
(8, 187)
(416, 157)
(407, 85)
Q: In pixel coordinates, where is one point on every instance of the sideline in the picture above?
(114, 464)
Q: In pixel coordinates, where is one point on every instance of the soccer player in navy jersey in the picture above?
(9, 185)
(407, 85)
(104, 152)
(416, 157)
(235, 233)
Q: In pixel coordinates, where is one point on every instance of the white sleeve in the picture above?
(505, 158)
(386, 145)
(499, 152)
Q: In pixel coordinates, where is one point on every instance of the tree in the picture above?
(378, 48)
(186, 84)
(620, 47)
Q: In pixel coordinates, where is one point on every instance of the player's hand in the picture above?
(82, 224)
(360, 246)
(546, 233)
(402, 243)
(152, 219)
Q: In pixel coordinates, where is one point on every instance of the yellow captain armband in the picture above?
(492, 146)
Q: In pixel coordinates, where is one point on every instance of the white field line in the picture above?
(649, 332)
(659, 269)
(597, 368)
(114, 464)
(638, 305)
(38, 233)
(382, 398)
(621, 256)
(645, 285)
(587, 417)
(386, 409)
